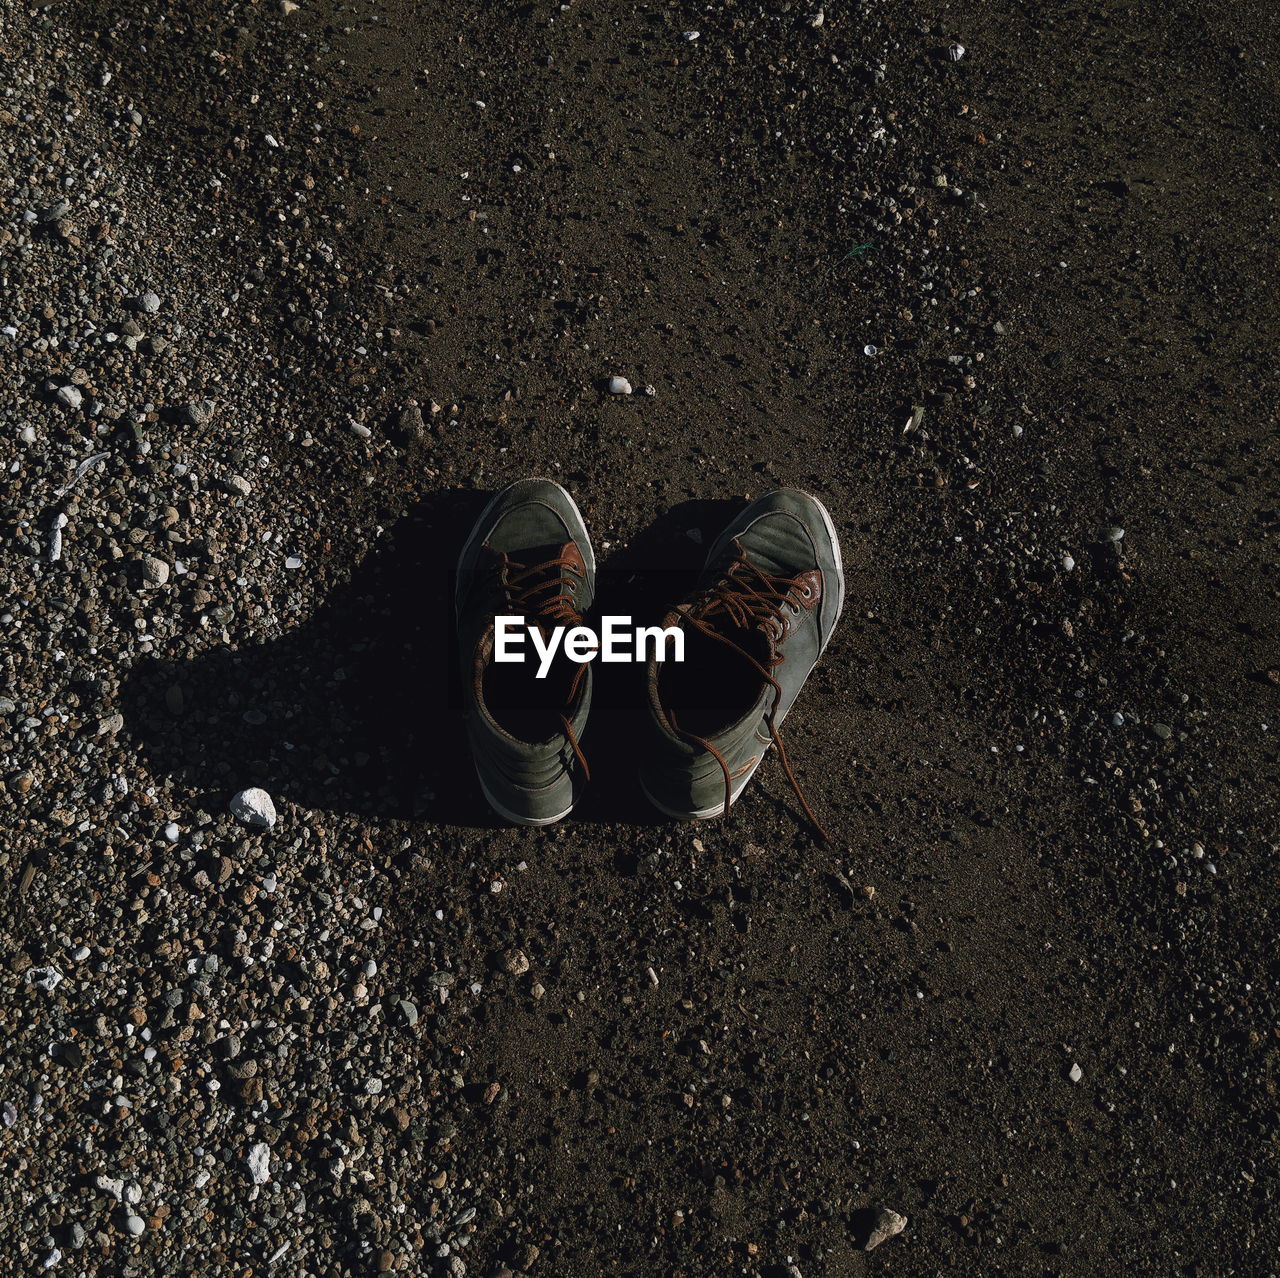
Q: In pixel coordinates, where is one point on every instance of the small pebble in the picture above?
(259, 1163)
(155, 570)
(885, 1224)
(619, 386)
(254, 808)
(198, 413)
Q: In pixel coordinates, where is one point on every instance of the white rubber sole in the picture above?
(706, 814)
(835, 546)
(511, 816)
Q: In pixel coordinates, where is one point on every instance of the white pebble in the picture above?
(135, 1224)
(259, 1163)
(1075, 1073)
(619, 386)
(171, 832)
(253, 807)
(47, 978)
(1068, 563)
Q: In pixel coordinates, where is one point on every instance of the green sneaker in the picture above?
(760, 616)
(528, 556)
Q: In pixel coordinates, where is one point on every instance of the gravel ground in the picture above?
(287, 289)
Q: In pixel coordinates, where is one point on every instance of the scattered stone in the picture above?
(955, 51)
(45, 978)
(1075, 1073)
(147, 303)
(55, 537)
(70, 396)
(259, 1163)
(155, 570)
(409, 426)
(1163, 730)
(881, 1224)
(254, 808)
(237, 485)
(198, 413)
(134, 1224)
(619, 386)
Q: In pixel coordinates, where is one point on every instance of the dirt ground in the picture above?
(1045, 749)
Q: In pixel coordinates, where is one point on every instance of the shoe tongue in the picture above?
(551, 559)
(753, 638)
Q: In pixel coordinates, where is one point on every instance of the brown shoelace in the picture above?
(749, 598)
(545, 591)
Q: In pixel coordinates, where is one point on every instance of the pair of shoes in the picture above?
(754, 627)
